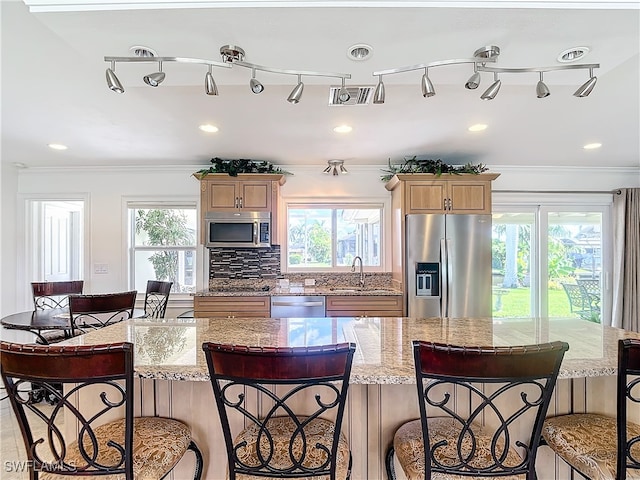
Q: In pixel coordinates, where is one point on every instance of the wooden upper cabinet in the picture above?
(238, 195)
(427, 193)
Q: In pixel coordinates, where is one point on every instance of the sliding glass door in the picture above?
(552, 260)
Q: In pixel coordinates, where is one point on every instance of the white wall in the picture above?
(106, 189)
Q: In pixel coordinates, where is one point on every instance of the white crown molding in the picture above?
(95, 5)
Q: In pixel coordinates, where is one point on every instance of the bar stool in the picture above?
(476, 404)
(281, 409)
(48, 295)
(156, 298)
(601, 446)
(123, 449)
(97, 311)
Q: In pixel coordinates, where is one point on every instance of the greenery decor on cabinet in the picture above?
(240, 165)
(437, 167)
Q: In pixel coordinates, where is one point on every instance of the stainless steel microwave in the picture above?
(239, 229)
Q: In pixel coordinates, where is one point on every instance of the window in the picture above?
(162, 245)
(550, 260)
(331, 236)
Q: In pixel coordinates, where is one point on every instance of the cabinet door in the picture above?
(468, 197)
(255, 195)
(426, 197)
(221, 195)
(364, 306)
(233, 306)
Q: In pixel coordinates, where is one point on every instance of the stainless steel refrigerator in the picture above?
(448, 265)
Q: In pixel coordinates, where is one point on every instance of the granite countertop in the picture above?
(342, 291)
(171, 349)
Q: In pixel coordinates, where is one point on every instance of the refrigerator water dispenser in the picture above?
(427, 275)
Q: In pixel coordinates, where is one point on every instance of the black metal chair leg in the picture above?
(388, 462)
(199, 463)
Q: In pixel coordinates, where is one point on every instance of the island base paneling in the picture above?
(372, 415)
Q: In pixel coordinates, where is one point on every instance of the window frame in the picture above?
(130, 249)
(334, 205)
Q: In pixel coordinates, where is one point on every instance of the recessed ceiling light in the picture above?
(208, 128)
(572, 54)
(478, 127)
(360, 52)
(343, 129)
(591, 146)
(58, 146)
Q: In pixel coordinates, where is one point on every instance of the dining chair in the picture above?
(281, 409)
(156, 298)
(97, 311)
(601, 446)
(110, 441)
(481, 411)
(54, 294)
(50, 295)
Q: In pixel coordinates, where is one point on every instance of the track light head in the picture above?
(210, 87)
(112, 81)
(427, 86)
(491, 92)
(586, 88)
(343, 95)
(379, 94)
(335, 168)
(155, 79)
(473, 82)
(542, 91)
(296, 93)
(256, 86)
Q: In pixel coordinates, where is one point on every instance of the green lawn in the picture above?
(516, 303)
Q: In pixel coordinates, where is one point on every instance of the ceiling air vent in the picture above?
(358, 95)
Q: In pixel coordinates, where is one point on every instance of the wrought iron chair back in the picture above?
(110, 440)
(97, 311)
(54, 294)
(293, 429)
(628, 394)
(156, 298)
(481, 409)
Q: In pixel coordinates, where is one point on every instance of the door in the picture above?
(468, 247)
(59, 246)
(424, 236)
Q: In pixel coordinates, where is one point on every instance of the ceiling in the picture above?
(54, 89)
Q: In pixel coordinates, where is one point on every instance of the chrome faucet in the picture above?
(353, 269)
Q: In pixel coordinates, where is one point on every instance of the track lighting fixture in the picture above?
(491, 92)
(155, 79)
(344, 94)
(481, 60)
(378, 95)
(210, 87)
(256, 86)
(231, 56)
(474, 80)
(586, 87)
(112, 81)
(427, 86)
(542, 90)
(296, 93)
(335, 168)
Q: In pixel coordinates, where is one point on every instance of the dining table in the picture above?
(51, 319)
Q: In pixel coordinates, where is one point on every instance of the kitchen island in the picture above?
(174, 379)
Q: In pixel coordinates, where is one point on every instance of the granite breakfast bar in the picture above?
(174, 379)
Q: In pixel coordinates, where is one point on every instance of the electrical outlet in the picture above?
(100, 268)
(309, 282)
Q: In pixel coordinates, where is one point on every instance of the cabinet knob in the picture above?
(240, 202)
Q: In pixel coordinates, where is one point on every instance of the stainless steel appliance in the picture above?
(286, 306)
(240, 229)
(448, 265)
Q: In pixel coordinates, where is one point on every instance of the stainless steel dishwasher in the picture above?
(283, 306)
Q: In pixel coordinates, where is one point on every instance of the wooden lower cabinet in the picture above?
(364, 306)
(234, 306)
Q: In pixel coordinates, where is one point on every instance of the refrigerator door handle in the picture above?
(444, 280)
(449, 268)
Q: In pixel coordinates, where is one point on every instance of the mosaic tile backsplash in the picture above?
(248, 263)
